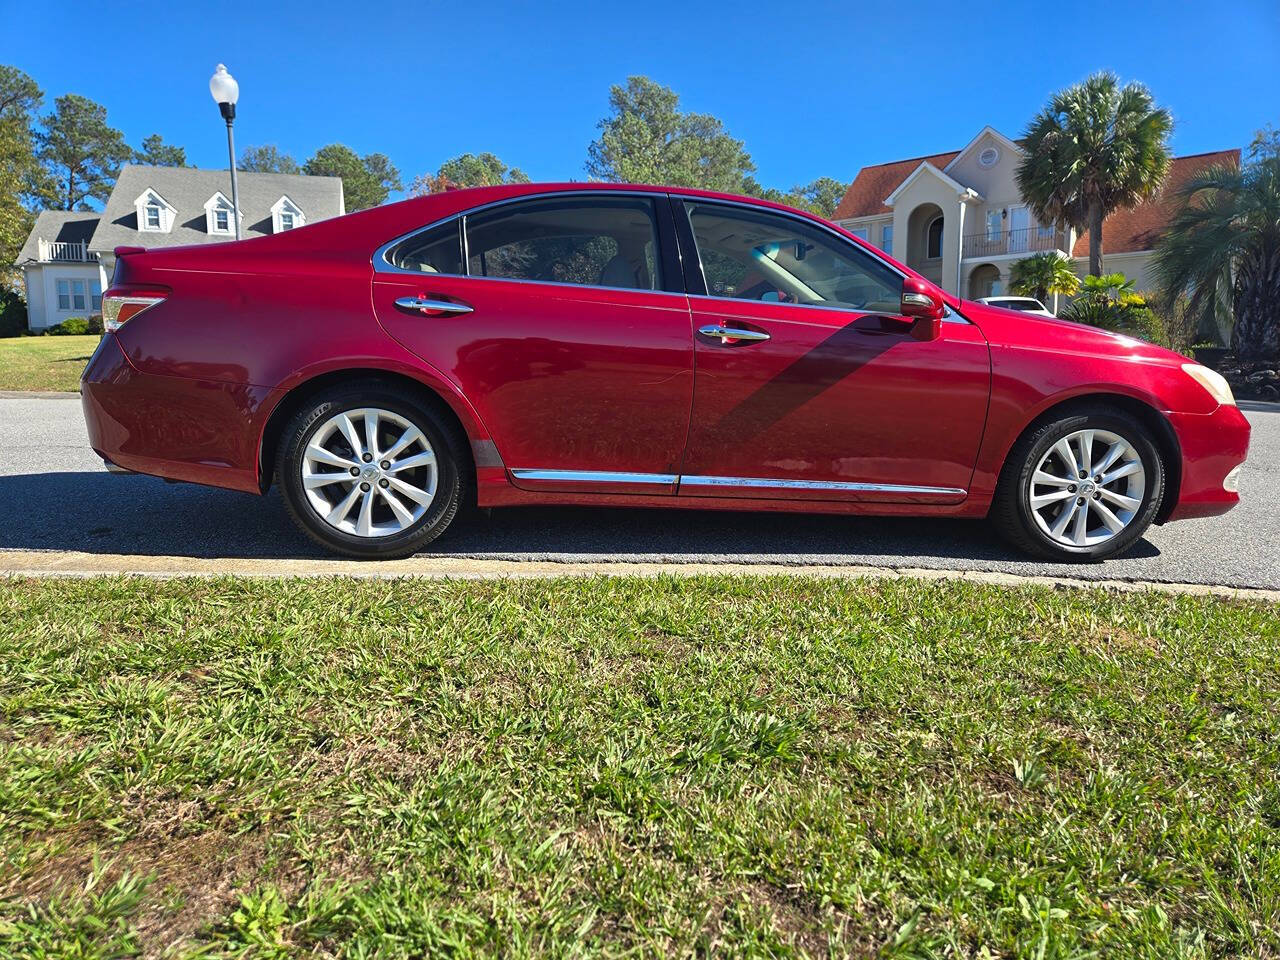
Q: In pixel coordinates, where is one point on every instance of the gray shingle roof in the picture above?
(189, 188)
(57, 226)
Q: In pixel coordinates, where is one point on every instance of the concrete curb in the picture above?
(21, 563)
(38, 395)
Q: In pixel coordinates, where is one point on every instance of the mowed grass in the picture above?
(44, 363)
(627, 767)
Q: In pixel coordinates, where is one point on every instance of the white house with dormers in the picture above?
(959, 219)
(67, 260)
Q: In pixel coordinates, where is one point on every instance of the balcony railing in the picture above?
(1023, 240)
(54, 251)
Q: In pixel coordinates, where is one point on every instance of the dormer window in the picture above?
(217, 216)
(155, 213)
(286, 215)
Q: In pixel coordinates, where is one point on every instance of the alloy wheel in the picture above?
(369, 472)
(1087, 488)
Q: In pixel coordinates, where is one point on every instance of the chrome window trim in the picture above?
(382, 265)
(779, 484)
(667, 479)
(951, 316)
(593, 476)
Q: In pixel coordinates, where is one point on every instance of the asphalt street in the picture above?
(60, 498)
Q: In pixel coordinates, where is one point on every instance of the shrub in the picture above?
(13, 314)
(1110, 303)
(70, 327)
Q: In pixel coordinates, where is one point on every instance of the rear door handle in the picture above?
(423, 305)
(732, 333)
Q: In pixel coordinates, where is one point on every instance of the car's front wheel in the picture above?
(369, 472)
(1084, 486)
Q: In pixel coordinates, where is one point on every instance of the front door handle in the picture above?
(732, 333)
(423, 305)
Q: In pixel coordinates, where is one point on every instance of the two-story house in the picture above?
(959, 219)
(67, 260)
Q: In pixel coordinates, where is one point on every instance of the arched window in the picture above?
(933, 243)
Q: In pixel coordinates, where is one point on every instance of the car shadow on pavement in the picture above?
(99, 512)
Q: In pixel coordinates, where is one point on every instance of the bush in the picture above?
(1110, 303)
(13, 314)
(76, 327)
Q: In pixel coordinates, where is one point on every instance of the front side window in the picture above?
(64, 295)
(757, 255)
(594, 241)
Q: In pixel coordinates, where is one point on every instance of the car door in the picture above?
(809, 383)
(565, 324)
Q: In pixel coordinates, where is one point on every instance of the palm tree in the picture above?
(1226, 238)
(1096, 147)
(1042, 274)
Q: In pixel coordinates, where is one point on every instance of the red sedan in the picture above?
(637, 346)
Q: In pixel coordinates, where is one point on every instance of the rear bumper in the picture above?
(202, 431)
(1213, 445)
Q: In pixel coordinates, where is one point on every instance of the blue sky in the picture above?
(813, 89)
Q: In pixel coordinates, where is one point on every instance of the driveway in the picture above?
(61, 499)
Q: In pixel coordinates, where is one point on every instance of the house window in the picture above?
(860, 233)
(286, 220)
(221, 221)
(933, 243)
(153, 216)
(95, 294)
(993, 224)
(64, 295)
(77, 294)
(886, 238)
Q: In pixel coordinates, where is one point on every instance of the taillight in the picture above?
(120, 305)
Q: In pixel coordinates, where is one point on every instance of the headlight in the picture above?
(1212, 381)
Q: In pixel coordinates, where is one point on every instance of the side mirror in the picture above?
(923, 302)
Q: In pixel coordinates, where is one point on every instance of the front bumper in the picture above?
(180, 428)
(1212, 446)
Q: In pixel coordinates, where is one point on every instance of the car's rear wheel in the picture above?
(1084, 486)
(368, 472)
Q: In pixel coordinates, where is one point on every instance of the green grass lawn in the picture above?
(44, 363)
(718, 766)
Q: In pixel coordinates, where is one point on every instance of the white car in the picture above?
(1022, 304)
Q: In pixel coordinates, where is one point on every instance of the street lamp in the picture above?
(226, 92)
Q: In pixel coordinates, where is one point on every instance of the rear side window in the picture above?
(438, 250)
(594, 241)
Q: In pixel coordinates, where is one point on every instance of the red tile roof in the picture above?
(866, 194)
(1138, 228)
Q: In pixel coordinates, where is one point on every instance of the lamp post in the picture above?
(226, 92)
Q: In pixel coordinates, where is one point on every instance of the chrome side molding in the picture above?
(667, 479)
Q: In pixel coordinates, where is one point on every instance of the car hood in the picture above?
(1004, 327)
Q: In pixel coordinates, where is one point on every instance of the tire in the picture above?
(1037, 467)
(317, 453)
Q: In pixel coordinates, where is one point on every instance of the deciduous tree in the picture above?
(647, 139)
(467, 170)
(20, 173)
(268, 159)
(366, 181)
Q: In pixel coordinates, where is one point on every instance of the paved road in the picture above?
(59, 498)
